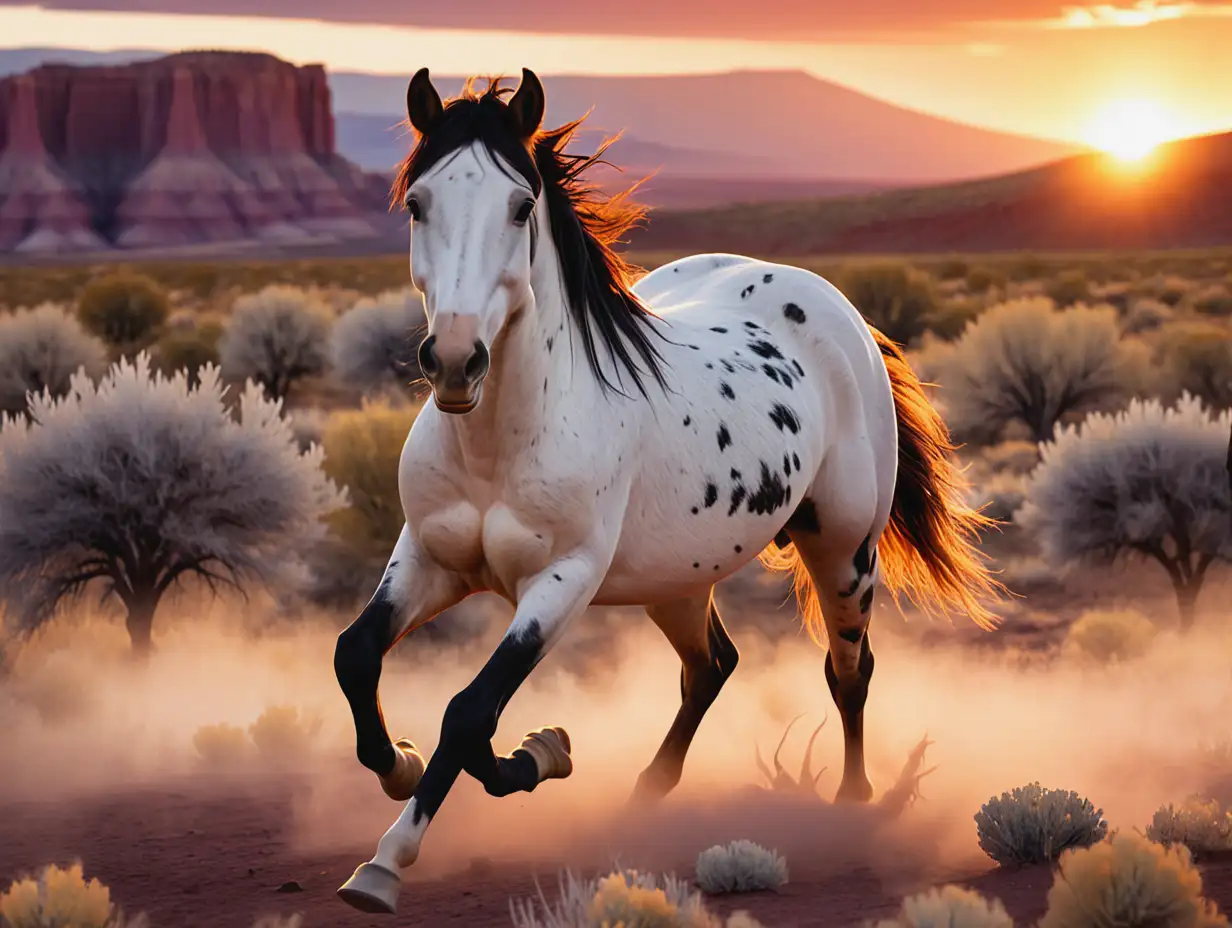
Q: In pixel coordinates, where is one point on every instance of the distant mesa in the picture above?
(186, 150)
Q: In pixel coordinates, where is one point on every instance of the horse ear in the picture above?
(527, 104)
(423, 103)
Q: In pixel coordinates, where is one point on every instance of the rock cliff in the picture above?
(193, 148)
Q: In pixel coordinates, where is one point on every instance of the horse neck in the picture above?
(515, 402)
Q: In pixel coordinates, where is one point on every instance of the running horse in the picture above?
(593, 440)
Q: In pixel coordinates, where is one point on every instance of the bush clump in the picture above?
(1203, 826)
(740, 867)
(1029, 363)
(62, 899)
(141, 482)
(222, 746)
(948, 907)
(276, 337)
(622, 898)
(123, 309)
(1196, 358)
(1069, 287)
(373, 346)
(1110, 636)
(897, 298)
(281, 733)
(1033, 825)
(41, 349)
(1149, 482)
(1130, 882)
(189, 350)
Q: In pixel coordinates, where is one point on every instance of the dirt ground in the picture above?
(217, 860)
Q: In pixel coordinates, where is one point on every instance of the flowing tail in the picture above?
(929, 551)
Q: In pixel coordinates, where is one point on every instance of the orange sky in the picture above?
(1035, 66)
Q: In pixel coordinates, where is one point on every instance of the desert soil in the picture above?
(218, 860)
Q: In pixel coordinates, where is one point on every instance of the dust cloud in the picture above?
(80, 718)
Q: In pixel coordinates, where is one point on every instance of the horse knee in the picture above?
(469, 719)
(850, 690)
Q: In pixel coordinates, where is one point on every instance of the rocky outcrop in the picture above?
(193, 148)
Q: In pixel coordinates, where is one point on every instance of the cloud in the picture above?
(768, 20)
(1123, 16)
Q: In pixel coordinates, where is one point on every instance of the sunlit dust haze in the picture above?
(78, 713)
(1132, 129)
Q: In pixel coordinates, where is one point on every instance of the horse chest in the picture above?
(499, 543)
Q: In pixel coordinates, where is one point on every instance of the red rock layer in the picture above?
(193, 147)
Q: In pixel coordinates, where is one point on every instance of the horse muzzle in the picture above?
(455, 370)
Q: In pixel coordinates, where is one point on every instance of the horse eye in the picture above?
(412, 207)
(523, 213)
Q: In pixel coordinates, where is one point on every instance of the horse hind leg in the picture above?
(842, 566)
(707, 658)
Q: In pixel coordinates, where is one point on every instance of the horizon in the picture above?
(1118, 77)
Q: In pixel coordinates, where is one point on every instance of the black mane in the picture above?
(585, 223)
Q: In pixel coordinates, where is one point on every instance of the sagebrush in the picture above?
(739, 867)
(948, 907)
(62, 898)
(1031, 825)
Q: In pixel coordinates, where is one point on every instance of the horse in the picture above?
(596, 438)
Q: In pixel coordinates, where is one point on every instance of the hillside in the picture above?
(1180, 197)
(185, 150)
(797, 126)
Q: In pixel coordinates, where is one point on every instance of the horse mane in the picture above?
(585, 222)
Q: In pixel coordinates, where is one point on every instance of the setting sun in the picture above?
(1131, 129)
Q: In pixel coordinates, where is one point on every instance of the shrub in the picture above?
(1203, 826)
(144, 481)
(280, 733)
(1171, 290)
(1105, 637)
(1069, 287)
(982, 279)
(41, 349)
(1129, 882)
(62, 899)
(223, 746)
(362, 450)
(275, 337)
(740, 867)
(123, 309)
(624, 897)
(1147, 482)
(1034, 825)
(188, 350)
(897, 298)
(1025, 361)
(949, 907)
(1197, 359)
(1146, 315)
(1213, 301)
(373, 347)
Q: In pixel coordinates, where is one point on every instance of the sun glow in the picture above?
(1131, 129)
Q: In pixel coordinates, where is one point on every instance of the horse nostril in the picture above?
(427, 357)
(477, 364)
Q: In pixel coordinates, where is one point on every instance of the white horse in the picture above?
(583, 449)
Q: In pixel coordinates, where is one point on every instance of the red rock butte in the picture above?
(190, 149)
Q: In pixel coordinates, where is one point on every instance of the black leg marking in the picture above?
(470, 722)
(866, 601)
(863, 562)
(357, 664)
(794, 313)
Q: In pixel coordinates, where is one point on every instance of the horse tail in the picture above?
(929, 550)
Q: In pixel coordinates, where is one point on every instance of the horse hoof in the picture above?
(372, 889)
(549, 748)
(409, 767)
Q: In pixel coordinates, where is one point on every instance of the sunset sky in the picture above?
(1093, 74)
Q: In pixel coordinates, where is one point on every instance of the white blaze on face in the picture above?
(470, 249)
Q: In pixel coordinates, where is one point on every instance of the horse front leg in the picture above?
(550, 601)
(413, 591)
